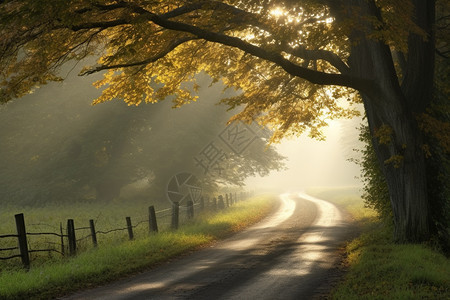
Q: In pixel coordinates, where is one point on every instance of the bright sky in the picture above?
(316, 163)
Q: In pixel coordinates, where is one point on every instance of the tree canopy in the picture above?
(295, 64)
(260, 53)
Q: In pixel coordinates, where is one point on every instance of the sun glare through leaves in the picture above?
(278, 12)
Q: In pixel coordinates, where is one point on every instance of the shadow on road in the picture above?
(277, 259)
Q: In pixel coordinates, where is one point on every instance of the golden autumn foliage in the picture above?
(146, 63)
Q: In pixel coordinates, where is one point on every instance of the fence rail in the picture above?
(44, 250)
(10, 257)
(170, 217)
(8, 236)
(8, 249)
(44, 233)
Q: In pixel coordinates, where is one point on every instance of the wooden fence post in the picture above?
(130, 228)
(220, 203)
(231, 199)
(63, 250)
(93, 233)
(71, 237)
(175, 213)
(152, 225)
(22, 239)
(190, 209)
(227, 201)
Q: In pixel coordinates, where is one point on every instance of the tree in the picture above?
(435, 123)
(292, 60)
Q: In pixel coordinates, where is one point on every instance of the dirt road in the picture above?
(289, 255)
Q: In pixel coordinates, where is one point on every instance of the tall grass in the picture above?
(108, 262)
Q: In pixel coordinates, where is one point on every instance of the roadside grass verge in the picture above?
(380, 269)
(106, 263)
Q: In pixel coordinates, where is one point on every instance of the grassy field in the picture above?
(109, 262)
(381, 269)
(49, 218)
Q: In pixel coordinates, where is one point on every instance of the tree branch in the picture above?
(173, 13)
(300, 51)
(241, 17)
(315, 77)
(104, 24)
(172, 46)
(249, 18)
(319, 54)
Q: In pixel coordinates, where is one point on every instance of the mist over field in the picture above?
(58, 148)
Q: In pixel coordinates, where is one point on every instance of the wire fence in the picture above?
(68, 240)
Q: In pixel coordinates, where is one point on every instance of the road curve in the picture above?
(286, 256)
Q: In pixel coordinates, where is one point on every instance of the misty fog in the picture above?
(57, 148)
(313, 163)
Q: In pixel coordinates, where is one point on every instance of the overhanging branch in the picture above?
(92, 25)
(172, 46)
(315, 77)
(240, 17)
(319, 54)
(244, 17)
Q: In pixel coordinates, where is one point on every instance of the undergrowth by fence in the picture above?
(68, 239)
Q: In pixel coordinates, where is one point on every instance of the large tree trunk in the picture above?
(395, 105)
(403, 163)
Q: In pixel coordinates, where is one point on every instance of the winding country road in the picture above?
(288, 255)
